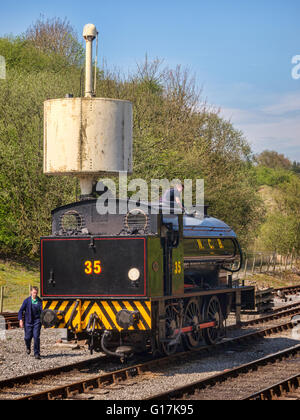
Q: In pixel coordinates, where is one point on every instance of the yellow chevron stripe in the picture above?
(53, 304)
(102, 317)
(69, 313)
(109, 306)
(62, 308)
(77, 319)
(144, 313)
(111, 314)
(117, 306)
(84, 322)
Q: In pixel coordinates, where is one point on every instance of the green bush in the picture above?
(174, 137)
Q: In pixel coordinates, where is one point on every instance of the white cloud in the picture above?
(286, 104)
(274, 127)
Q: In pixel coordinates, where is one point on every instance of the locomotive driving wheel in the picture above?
(170, 344)
(192, 318)
(212, 312)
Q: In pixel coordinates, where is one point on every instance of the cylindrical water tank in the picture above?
(87, 136)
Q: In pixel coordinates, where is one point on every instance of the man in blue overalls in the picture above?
(32, 308)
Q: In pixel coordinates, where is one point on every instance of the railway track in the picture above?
(288, 389)
(80, 381)
(289, 290)
(285, 311)
(245, 382)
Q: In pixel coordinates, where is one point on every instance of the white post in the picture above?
(89, 34)
(89, 69)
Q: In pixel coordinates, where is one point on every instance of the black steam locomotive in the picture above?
(140, 281)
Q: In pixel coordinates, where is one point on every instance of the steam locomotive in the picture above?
(143, 281)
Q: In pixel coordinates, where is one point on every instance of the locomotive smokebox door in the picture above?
(93, 267)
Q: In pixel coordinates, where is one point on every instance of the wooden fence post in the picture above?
(269, 263)
(253, 266)
(1, 299)
(274, 267)
(292, 260)
(245, 271)
(286, 261)
(261, 263)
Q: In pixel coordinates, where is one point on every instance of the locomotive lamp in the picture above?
(87, 137)
(134, 274)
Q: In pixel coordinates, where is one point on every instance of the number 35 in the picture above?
(178, 267)
(93, 267)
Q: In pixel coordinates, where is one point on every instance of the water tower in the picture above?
(87, 137)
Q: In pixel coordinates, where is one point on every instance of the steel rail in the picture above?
(285, 311)
(184, 391)
(278, 390)
(292, 290)
(26, 379)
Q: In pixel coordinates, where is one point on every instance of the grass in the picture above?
(274, 280)
(17, 279)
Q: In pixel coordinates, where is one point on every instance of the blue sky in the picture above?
(240, 52)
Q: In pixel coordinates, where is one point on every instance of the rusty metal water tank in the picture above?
(87, 137)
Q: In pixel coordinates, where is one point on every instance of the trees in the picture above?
(26, 195)
(175, 136)
(296, 167)
(34, 74)
(279, 233)
(281, 230)
(274, 160)
(178, 136)
(56, 36)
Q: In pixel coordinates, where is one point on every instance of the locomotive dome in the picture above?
(207, 226)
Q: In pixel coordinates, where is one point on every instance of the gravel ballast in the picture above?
(14, 360)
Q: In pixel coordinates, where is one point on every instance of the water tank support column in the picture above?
(86, 185)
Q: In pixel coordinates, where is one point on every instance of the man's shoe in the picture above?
(37, 357)
(28, 351)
